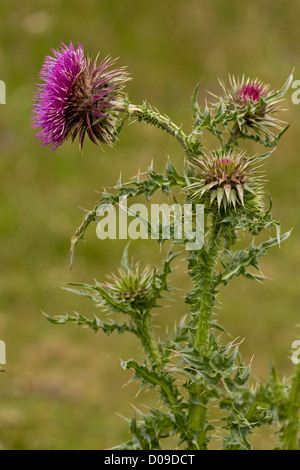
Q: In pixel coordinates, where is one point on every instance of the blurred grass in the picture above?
(63, 385)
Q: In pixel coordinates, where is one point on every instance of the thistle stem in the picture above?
(291, 429)
(198, 416)
(204, 290)
(206, 296)
(147, 114)
(146, 336)
(234, 136)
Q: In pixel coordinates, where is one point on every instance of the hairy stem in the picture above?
(206, 295)
(234, 136)
(147, 114)
(146, 336)
(291, 429)
(198, 417)
(170, 392)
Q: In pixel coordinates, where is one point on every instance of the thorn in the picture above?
(137, 394)
(127, 383)
(134, 407)
(121, 416)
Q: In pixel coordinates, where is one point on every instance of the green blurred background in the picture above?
(63, 385)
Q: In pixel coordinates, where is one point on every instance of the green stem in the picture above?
(204, 290)
(198, 416)
(234, 137)
(145, 333)
(291, 429)
(206, 295)
(147, 114)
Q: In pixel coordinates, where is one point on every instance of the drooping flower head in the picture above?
(227, 180)
(78, 96)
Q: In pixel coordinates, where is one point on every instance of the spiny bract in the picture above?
(228, 179)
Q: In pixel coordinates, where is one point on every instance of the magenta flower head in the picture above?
(251, 91)
(78, 96)
(251, 106)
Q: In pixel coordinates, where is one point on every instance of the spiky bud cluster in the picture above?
(227, 179)
(78, 97)
(131, 285)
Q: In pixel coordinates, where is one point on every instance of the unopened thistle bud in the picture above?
(131, 285)
(78, 97)
(227, 180)
(251, 105)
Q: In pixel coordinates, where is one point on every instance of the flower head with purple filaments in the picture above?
(78, 96)
(251, 105)
(242, 92)
(251, 91)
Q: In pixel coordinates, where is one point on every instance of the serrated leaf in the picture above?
(95, 324)
(280, 93)
(242, 259)
(194, 102)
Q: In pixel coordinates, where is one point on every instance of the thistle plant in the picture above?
(194, 368)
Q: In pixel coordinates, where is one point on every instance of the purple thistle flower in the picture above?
(251, 91)
(78, 96)
(252, 106)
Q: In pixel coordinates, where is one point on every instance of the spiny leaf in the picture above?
(242, 259)
(194, 102)
(95, 324)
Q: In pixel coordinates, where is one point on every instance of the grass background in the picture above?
(63, 385)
